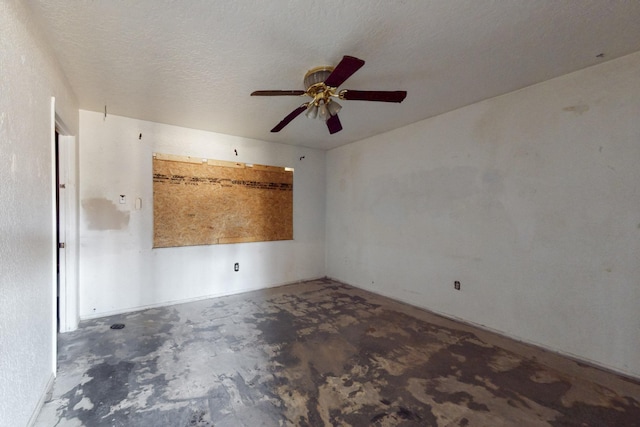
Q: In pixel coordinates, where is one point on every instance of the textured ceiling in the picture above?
(194, 63)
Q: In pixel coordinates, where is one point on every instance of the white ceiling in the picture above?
(194, 63)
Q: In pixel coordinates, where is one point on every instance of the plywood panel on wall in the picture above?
(206, 202)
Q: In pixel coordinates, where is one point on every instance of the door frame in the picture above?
(66, 173)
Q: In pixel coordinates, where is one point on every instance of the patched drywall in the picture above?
(103, 214)
(30, 77)
(529, 200)
(119, 269)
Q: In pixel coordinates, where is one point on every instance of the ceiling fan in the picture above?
(321, 84)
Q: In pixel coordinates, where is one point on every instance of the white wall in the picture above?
(119, 270)
(29, 78)
(531, 200)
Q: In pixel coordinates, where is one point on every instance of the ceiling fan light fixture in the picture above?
(323, 111)
(312, 111)
(334, 108)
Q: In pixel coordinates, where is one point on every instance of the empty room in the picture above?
(384, 213)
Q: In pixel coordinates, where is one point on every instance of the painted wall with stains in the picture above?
(30, 76)
(531, 200)
(119, 269)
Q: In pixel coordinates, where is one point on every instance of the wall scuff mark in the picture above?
(578, 109)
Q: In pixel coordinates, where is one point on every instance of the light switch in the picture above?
(138, 203)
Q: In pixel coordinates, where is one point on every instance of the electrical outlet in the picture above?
(456, 285)
(236, 266)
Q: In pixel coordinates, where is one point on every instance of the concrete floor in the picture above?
(319, 354)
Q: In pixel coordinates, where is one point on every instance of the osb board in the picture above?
(207, 202)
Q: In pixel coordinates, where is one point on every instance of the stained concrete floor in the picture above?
(319, 354)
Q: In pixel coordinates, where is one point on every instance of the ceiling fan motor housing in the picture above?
(316, 75)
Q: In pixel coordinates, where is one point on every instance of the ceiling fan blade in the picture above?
(295, 113)
(343, 71)
(277, 93)
(373, 95)
(334, 125)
